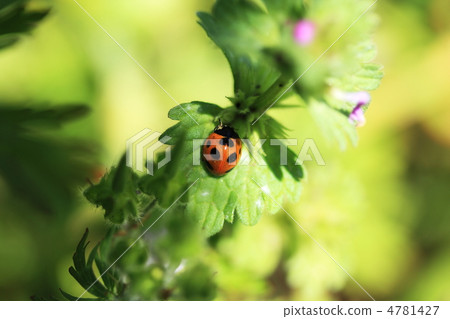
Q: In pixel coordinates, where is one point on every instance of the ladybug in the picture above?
(222, 150)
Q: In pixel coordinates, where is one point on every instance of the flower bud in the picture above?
(304, 32)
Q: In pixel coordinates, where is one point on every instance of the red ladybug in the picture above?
(222, 150)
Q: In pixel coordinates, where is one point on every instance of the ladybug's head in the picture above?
(226, 131)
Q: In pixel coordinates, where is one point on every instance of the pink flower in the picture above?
(359, 99)
(304, 32)
(357, 116)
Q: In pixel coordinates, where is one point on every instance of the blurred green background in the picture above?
(382, 210)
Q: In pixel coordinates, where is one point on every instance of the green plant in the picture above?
(271, 45)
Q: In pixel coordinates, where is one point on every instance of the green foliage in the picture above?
(266, 61)
(212, 200)
(366, 78)
(242, 29)
(16, 19)
(387, 225)
(38, 166)
(132, 267)
(334, 124)
(117, 194)
(257, 39)
(83, 270)
(194, 284)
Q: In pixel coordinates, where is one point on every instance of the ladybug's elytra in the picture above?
(222, 150)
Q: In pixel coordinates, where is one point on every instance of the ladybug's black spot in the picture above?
(208, 143)
(215, 154)
(226, 141)
(232, 158)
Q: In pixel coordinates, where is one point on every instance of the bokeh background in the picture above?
(382, 209)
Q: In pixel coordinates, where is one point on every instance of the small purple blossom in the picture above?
(304, 32)
(359, 99)
(357, 116)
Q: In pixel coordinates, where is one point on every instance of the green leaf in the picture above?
(240, 26)
(367, 78)
(83, 270)
(117, 193)
(73, 298)
(242, 29)
(174, 175)
(284, 9)
(15, 19)
(334, 125)
(102, 260)
(38, 165)
(212, 199)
